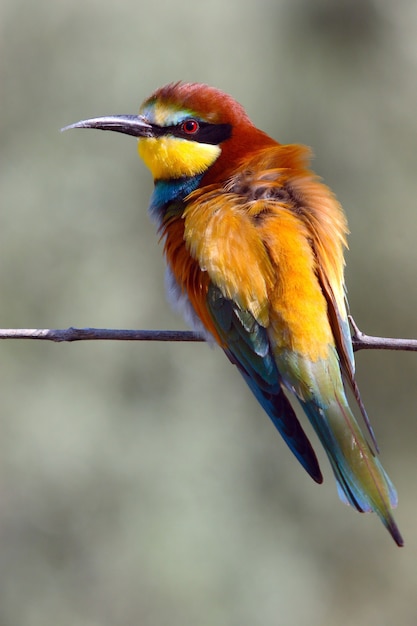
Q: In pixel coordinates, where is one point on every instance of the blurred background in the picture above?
(141, 483)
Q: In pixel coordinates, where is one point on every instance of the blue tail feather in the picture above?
(283, 416)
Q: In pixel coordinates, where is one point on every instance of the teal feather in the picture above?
(250, 350)
(361, 479)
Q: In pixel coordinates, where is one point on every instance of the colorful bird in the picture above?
(254, 246)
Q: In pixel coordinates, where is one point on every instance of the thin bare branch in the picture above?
(359, 339)
(368, 342)
(109, 334)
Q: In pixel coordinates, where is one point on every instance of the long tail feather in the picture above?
(285, 420)
(362, 481)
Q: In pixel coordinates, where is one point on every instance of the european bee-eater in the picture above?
(254, 246)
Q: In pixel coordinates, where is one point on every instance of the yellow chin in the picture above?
(173, 157)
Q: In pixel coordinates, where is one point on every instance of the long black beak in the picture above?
(135, 125)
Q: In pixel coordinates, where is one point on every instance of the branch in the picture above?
(110, 334)
(359, 339)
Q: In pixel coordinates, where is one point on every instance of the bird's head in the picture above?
(184, 128)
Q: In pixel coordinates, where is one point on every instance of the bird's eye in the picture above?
(190, 127)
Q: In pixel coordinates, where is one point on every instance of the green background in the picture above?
(141, 483)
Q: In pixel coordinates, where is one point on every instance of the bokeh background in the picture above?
(141, 483)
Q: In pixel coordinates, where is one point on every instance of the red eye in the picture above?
(190, 127)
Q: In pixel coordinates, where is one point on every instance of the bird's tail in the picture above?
(283, 416)
(362, 482)
(361, 479)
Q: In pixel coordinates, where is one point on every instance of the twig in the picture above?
(110, 334)
(360, 340)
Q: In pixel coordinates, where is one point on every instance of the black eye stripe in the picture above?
(207, 133)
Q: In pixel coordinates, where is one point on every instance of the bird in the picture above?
(254, 245)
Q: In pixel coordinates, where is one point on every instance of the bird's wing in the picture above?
(249, 348)
(273, 256)
(223, 238)
(235, 231)
(282, 176)
(325, 220)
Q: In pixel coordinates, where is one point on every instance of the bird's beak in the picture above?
(135, 125)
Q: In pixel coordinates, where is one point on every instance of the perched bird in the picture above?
(254, 246)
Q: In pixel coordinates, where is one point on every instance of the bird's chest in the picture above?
(186, 282)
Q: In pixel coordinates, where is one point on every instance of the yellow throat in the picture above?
(172, 157)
